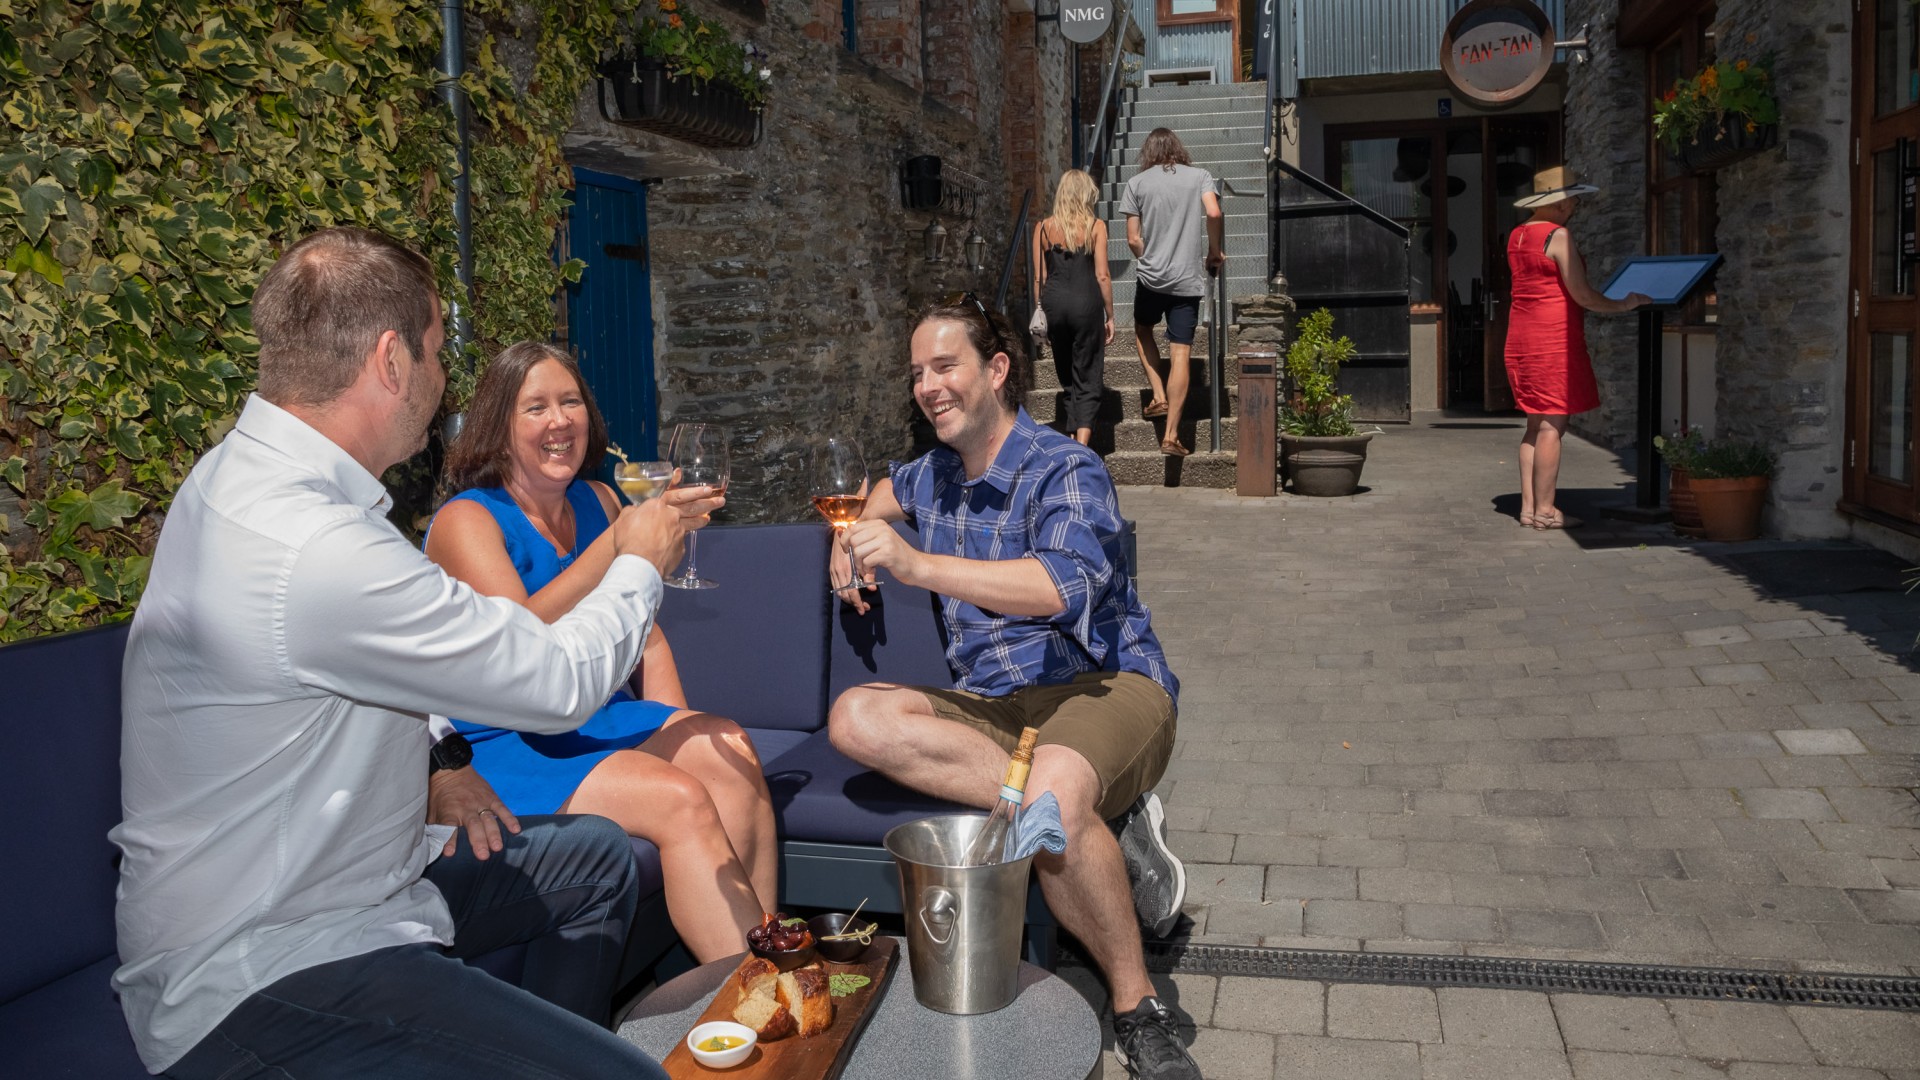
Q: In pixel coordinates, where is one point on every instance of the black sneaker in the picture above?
(1148, 1043)
(1159, 881)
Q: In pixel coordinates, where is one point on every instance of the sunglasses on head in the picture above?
(958, 298)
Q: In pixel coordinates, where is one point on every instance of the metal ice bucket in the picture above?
(963, 922)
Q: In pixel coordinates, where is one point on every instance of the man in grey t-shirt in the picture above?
(1176, 233)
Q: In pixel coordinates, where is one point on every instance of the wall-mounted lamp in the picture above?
(935, 238)
(976, 246)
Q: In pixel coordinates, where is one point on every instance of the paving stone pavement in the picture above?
(1409, 725)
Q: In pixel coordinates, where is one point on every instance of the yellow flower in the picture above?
(1752, 127)
(1740, 65)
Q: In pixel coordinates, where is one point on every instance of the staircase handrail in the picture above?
(1217, 336)
(1016, 246)
(1094, 144)
(1337, 195)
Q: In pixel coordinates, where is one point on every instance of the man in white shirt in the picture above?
(283, 909)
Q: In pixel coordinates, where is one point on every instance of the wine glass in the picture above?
(838, 484)
(642, 480)
(699, 451)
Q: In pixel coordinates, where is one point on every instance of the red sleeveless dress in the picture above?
(1547, 361)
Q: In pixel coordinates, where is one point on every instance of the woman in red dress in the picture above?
(1547, 362)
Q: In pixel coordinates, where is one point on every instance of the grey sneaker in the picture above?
(1159, 881)
(1147, 1041)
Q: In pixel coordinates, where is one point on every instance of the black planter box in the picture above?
(1718, 144)
(696, 111)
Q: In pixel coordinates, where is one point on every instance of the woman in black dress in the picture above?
(1076, 291)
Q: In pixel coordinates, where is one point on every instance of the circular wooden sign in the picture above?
(1495, 52)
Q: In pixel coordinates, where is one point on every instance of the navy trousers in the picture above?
(564, 885)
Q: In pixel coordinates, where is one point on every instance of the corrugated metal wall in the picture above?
(1379, 37)
(1201, 45)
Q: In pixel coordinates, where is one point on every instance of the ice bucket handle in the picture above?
(937, 914)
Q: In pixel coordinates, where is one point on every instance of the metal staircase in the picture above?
(1223, 129)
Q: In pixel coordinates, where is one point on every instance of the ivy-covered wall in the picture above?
(155, 157)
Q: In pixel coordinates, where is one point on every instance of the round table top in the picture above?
(1048, 1032)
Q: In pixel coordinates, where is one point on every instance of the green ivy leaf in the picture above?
(15, 473)
(118, 17)
(37, 204)
(105, 507)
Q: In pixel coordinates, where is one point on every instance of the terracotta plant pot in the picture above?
(1681, 501)
(1324, 465)
(1730, 509)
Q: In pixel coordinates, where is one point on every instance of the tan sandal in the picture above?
(1154, 408)
(1172, 448)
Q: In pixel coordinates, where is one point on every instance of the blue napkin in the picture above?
(1038, 826)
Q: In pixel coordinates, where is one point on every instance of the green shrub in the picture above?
(155, 155)
(1314, 406)
(1679, 450)
(1731, 460)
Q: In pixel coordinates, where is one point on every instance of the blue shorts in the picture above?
(1182, 313)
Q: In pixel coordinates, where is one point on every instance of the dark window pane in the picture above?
(1890, 444)
(1896, 76)
(1886, 269)
(1670, 233)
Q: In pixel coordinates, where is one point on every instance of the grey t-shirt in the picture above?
(1173, 225)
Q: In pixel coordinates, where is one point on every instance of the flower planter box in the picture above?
(1325, 466)
(1718, 144)
(697, 111)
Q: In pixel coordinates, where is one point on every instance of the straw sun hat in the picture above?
(1553, 185)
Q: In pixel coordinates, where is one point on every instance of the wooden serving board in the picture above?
(820, 1057)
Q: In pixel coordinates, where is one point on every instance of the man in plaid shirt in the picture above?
(1021, 537)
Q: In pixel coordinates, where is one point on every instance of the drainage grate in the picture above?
(1556, 976)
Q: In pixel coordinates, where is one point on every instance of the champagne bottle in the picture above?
(991, 846)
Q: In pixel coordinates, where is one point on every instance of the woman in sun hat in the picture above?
(1547, 361)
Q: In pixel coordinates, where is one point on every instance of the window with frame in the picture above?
(1175, 12)
(1682, 211)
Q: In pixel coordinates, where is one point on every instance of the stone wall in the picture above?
(1782, 349)
(1783, 229)
(785, 279)
(1606, 133)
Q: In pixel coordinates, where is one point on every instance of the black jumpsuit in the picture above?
(1076, 325)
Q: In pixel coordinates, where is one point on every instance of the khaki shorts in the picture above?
(1120, 721)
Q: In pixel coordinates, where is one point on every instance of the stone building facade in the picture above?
(1779, 345)
(785, 275)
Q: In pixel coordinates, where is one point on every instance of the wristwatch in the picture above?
(452, 752)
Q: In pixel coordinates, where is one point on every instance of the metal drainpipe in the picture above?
(452, 67)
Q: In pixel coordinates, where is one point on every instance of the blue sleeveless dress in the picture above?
(534, 774)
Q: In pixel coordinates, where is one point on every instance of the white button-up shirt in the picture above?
(278, 680)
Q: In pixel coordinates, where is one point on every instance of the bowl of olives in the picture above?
(786, 942)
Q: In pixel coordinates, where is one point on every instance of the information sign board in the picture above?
(1668, 279)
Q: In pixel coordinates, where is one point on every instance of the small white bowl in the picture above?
(721, 1059)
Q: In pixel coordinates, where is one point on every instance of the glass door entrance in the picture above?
(1880, 376)
(1452, 183)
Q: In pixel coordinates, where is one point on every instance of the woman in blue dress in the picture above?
(527, 526)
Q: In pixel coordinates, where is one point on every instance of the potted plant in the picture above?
(1678, 452)
(1729, 481)
(685, 77)
(1725, 113)
(1319, 449)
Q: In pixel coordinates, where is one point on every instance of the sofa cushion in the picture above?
(60, 786)
(71, 1028)
(753, 649)
(901, 639)
(821, 795)
(770, 743)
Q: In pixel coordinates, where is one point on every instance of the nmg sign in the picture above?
(1084, 22)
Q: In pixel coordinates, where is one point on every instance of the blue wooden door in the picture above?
(610, 309)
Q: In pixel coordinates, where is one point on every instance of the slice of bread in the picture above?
(760, 1007)
(807, 996)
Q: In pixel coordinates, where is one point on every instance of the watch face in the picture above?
(452, 752)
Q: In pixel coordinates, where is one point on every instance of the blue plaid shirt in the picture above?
(1044, 497)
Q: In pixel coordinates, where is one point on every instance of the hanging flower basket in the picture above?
(704, 112)
(1717, 144)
